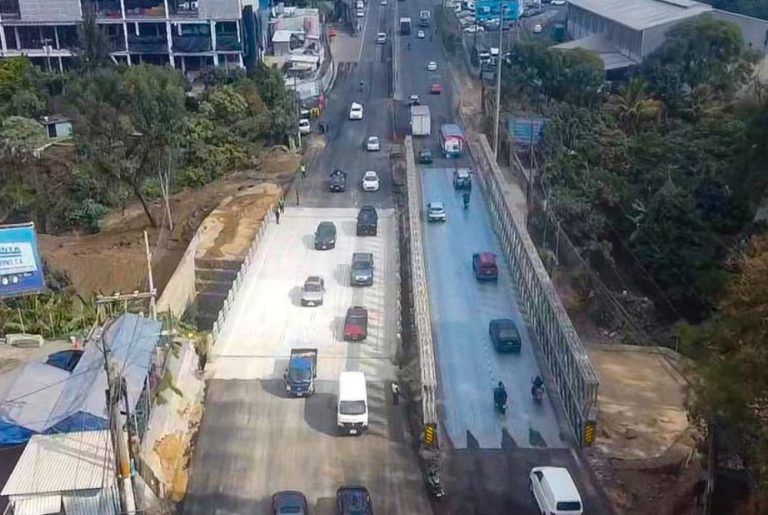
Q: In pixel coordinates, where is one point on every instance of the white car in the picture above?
(370, 181)
(538, 29)
(356, 111)
(360, 13)
(558, 2)
(372, 144)
(474, 28)
(381, 38)
(436, 212)
(304, 126)
(432, 66)
(420, 34)
(554, 491)
(383, 2)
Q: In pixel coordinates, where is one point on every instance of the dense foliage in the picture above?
(667, 168)
(756, 8)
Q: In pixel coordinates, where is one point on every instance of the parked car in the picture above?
(431, 66)
(383, 2)
(360, 13)
(337, 181)
(289, 502)
(356, 324)
(353, 500)
(554, 490)
(420, 34)
(414, 100)
(325, 236)
(484, 265)
(538, 29)
(371, 181)
(425, 157)
(356, 111)
(313, 290)
(435, 89)
(304, 126)
(361, 269)
(558, 2)
(435, 212)
(504, 335)
(372, 144)
(381, 38)
(462, 180)
(367, 221)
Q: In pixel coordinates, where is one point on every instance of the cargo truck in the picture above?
(452, 140)
(405, 26)
(301, 372)
(420, 121)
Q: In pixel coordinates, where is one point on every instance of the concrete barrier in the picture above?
(180, 291)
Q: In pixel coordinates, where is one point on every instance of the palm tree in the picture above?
(634, 107)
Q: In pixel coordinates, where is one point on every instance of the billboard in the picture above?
(488, 10)
(21, 269)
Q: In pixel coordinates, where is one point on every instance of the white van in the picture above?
(352, 410)
(554, 491)
(359, 5)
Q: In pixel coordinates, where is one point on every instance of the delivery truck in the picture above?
(420, 121)
(301, 372)
(452, 140)
(405, 26)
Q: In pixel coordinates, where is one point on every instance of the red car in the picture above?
(356, 324)
(436, 89)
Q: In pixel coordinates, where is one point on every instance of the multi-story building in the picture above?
(188, 34)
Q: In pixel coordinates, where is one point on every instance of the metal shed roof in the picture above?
(643, 14)
(63, 462)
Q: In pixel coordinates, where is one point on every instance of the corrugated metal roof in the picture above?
(36, 504)
(63, 462)
(92, 502)
(605, 50)
(643, 14)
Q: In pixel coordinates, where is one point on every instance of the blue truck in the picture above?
(301, 373)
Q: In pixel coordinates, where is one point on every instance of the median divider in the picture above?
(421, 303)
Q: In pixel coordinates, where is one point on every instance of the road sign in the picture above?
(430, 436)
(589, 433)
(21, 269)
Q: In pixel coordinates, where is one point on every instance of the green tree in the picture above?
(702, 51)
(633, 107)
(93, 42)
(127, 121)
(23, 88)
(280, 101)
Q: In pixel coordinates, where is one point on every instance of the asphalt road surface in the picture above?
(254, 441)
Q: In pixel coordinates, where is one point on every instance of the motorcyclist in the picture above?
(537, 385)
(409, 45)
(466, 199)
(500, 395)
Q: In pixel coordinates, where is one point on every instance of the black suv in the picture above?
(462, 180)
(325, 236)
(425, 157)
(353, 500)
(337, 181)
(367, 221)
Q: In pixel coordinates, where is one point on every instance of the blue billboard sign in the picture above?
(21, 269)
(487, 10)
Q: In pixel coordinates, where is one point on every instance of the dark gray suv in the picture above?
(361, 271)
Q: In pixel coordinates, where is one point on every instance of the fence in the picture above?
(238, 282)
(567, 362)
(420, 292)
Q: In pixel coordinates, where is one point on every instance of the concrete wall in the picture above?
(180, 291)
(50, 10)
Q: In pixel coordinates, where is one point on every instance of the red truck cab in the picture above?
(356, 324)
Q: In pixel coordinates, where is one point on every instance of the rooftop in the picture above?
(643, 14)
(605, 50)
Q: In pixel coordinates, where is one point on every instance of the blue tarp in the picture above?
(40, 398)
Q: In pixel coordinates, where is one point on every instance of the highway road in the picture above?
(253, 441)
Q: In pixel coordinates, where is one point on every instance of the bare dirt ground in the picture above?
(115, 259)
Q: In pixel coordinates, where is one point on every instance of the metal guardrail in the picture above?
(420, 292)
(566, 359)
(238, 282)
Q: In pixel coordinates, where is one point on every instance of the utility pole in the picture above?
(116, 423)
(152, 301)
(498, 82)
(298, 101)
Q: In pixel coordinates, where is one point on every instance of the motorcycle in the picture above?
(466, 201)
(501, 408)
(537, 390)
(434, 485)
(500, 400)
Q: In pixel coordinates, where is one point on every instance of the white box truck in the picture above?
(421, 121)
(352, 409)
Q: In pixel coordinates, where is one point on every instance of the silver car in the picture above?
(436, 212)
(312, 291)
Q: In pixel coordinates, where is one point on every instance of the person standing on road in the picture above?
(297, 196)
(277, 215)
(303, 171)
(281, 204)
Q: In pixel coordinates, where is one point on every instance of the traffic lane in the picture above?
(267, 320)
(254, 442)
(469, 365)
(488, 482)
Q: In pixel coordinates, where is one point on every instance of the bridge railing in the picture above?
(420, 293)
(567, 361)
